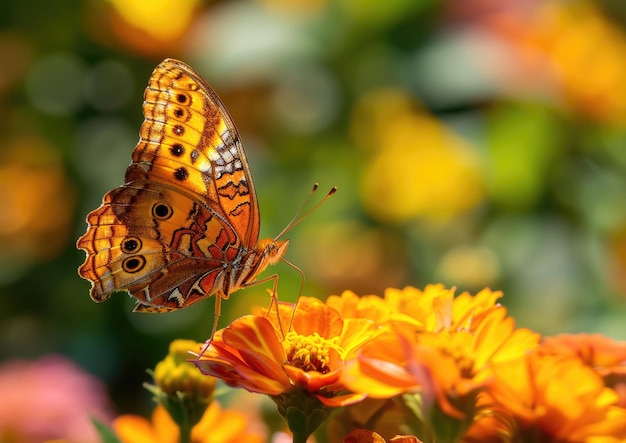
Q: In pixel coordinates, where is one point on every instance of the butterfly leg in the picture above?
(302, 279)
(216, 317)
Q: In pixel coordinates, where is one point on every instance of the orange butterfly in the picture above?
(185, 224)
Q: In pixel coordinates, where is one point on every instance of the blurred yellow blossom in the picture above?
(217, 425)
(417, 167)
(155, 28)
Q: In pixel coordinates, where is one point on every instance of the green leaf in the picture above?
(106, 433)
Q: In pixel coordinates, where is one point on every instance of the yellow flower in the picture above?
(216, 426)
(146, 28)
(413, 310)
(558, 398)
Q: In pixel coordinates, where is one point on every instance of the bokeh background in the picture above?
(474, 142)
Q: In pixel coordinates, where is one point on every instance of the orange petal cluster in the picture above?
(254, 354)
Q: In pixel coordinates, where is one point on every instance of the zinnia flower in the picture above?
(300, 370)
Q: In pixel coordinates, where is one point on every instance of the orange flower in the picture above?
(252, 353)
(216, 426)
(557, 398)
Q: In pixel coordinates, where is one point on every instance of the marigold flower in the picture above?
(557, 397)
(595, 350)
(216, 426)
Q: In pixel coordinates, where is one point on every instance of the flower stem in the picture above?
(302, 411)
(185, 430)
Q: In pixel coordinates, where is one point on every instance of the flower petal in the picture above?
(314, 316)
(255, 335)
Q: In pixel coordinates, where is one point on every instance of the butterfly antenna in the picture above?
(299, 215)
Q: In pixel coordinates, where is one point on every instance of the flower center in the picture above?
(309, 353)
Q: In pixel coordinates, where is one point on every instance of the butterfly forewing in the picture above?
(188, 140)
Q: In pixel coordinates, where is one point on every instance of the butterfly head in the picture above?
(272, 250)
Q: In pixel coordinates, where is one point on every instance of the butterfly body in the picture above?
(185, 224)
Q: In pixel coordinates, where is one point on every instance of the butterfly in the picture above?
(185, 224)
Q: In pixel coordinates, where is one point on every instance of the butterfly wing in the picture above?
(188, 206)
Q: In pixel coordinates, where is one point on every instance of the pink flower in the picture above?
(50, 398)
